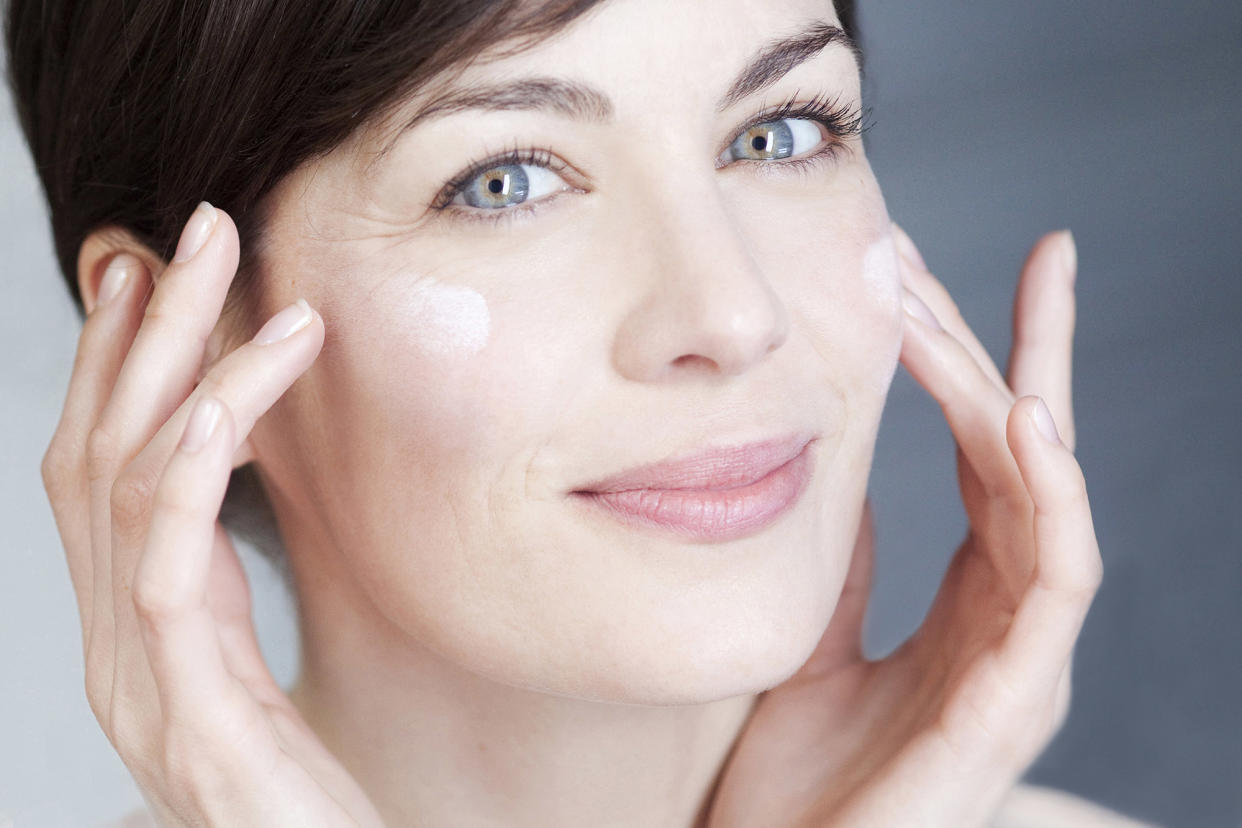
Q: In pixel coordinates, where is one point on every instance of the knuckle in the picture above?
(96, 699)
(102, 453)
(177, 502)
(154, 604)
(1092, 575)
(213, 382)
(56, 469)
(1066, 491)
(155, 314)
(166, 319)
(131, 499)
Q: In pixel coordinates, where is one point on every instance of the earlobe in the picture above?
(99, 249)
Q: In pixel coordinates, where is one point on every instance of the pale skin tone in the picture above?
(476, 650)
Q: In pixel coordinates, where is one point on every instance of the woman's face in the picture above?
(662, 289)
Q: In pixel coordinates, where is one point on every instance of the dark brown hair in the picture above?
(135, 112)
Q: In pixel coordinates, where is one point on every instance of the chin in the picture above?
(728, 638)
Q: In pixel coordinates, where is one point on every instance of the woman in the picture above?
(572, 348)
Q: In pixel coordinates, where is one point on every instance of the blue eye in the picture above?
(506, 185)
(514, 184)
(774, 139)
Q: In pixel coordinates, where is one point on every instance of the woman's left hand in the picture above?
(938, 732)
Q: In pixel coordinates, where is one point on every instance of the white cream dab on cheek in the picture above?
(880, 269)
(448, 320)
(882, 278)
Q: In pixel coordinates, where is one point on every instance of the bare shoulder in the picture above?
(1031, 806)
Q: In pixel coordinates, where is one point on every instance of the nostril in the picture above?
(689, 358)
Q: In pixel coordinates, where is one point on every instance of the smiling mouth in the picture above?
(711, 497)
(713, 469)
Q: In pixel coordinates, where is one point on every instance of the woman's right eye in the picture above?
(507, 185)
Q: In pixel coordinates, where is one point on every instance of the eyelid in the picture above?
(849, 118)
(515, 155)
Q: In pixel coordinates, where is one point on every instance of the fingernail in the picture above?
(196, 231)
(915, 307)
(284, 324)
(1043, 421)
(120, 269)
(907, 248)
(202, 424)
(1069, 251)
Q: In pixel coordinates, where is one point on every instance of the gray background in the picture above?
(994, 123)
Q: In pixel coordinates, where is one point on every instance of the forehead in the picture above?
(621, 39)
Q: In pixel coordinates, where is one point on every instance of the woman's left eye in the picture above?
(774, 139)
(506, 185)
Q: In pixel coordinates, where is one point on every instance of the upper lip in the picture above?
(723, 467)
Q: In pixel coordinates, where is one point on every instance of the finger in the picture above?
(199, 698)
(1068, 567)
(974, 406)
(916, 276)
(248, 381)
(162, 367)
(106, 335)
(1041, 360)
(157, 374)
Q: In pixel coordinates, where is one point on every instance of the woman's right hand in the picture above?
(173, 669)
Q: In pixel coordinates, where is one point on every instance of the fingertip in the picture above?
(907, 248)
(1069, 253)
(121, 272)
(1056, 251)
(918, 309)
(210, 420)
(201, 425)
(220, 245)
(1042, 420)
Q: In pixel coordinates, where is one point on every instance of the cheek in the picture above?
(448, 322)
(881, 279)
(458, 368)
(420, 354)
(835, 266)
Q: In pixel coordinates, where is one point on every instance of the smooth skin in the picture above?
(940, 730)
(934, 734)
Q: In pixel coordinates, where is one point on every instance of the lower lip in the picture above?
(712, 515)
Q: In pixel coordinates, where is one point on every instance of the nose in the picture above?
(706, 307)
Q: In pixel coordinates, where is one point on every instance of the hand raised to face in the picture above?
(136, 473)
(938, 732)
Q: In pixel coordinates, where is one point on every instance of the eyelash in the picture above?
(838, 120)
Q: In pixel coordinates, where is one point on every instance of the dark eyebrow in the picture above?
(583, 102)
(778, 59)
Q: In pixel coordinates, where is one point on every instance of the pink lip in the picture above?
(716, 495)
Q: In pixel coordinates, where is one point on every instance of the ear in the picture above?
(97, 252)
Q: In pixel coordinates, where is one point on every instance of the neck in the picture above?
(435, 744)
